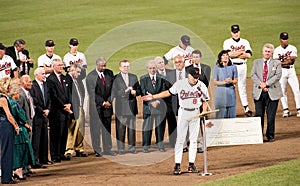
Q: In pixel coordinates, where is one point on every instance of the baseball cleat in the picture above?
(192, 169)
(287, 113)
(298, 113)
(177, 170)
(249, 113)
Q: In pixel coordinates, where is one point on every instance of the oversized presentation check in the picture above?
(233, 131)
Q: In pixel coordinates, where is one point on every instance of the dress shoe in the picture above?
(56, 160)
(15, 176)
(9, 182)
(38, 166)
(67, 157)
(98, 154)
(133, 151)
(121, 152)
(146, 150)
(110, 153)
(185, 149)
(162, 150)
(47, 162)
(199, 150)
(81, 154)
(270, 140)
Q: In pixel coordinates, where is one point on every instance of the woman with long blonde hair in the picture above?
(7, 127)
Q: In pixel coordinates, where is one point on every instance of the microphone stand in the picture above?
(202, 125)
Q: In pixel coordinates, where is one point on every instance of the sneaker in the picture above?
(177, 170)
(192, 169)
(286, 113)
(298, 113)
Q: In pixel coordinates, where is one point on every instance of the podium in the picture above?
(202, 117)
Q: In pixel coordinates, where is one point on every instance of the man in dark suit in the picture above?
(170, 115)
(76, 124)
(99, 84)
(125, 89)
(266, 73)
(41, 99)
(59, 112)
(204, 70)
(20, 56)
(154, 110)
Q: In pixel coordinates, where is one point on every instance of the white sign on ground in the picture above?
(233, 131)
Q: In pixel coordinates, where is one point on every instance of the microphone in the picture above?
(202, 93)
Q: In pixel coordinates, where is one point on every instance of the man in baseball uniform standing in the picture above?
(287, 54)
(183, 49)
(239, 51)
(191, 93)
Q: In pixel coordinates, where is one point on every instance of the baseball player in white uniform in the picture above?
(183, 49)
(74, 56)
(7, 64)
(239, 51)
(191, 93)
(287, 54)
(45, 60)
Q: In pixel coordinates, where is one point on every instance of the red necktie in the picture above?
(265, 72)
(103, 80)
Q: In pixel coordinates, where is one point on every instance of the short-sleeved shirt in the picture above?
(6, 65)
(44, 60)
(281, 53)
(232, 45)
(187, 54)
(70, 59)
(188, 95)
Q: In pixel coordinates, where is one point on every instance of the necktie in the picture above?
(43, 92)
(180, 75)
(125, 77)
(153, 81)
(61, 82)
(78, 91)
(265, 72)
(103, 80)
(31, 105)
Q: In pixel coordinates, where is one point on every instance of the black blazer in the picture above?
(37, 96)
(126, 103)
(146, 86)
(204, 74)
(59, 97)
(11, 52)
(98, 94)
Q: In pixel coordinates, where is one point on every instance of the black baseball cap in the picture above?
(73, 41)
(186, 40)
(235, 28)
(194, 72)
(49, 43)
(284, 36)
(2, 47)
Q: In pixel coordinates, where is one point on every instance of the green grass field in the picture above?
(92, 22)
(283, 174)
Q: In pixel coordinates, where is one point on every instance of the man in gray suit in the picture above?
(266, 73)
(25, 99)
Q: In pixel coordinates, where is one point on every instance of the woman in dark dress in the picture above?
(23, 152)
(7, 127)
